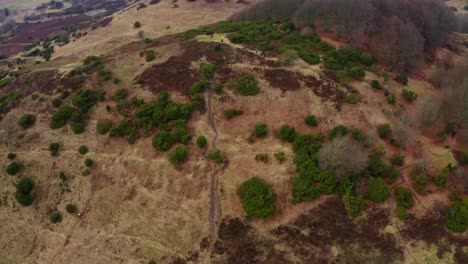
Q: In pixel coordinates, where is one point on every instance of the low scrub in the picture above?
(257, 199)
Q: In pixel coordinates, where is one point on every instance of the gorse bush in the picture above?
(216, 156)
(354, 204)
(409, 95)
(120, 95)
(378, 191)
(246, 85)
(103, 126)
(84, 99)
(402, 78)
(26, 121)
(163, 141)
(61, 117)
(384, 130)
(11, 156)
(257, 199)
(231, 113)
(178, 156)
(404, 197)
(71, 208)
(54, 149)
(89, 162)
(208, 71)
(311, 120)
(199, 87)
(13, 168)
(338, 131)
(456, 217)
(287, 133)
(261, 130)
(83, 150)
(202, 142)
(56, 217)
(24, 192)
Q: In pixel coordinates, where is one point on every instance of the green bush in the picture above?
(202, 142)
(354, 204)
(199, 87)
(402, 78)
(409, 95)
(86, 172)
(397, 159)
(84, 99)
(13, 168)
(11, 156)
(24, 193)
(89, 163)
(356, 73)
(441, 178)
(178, 156)
(303, 189)
(216, 156)
(287, 133)
(309, 57)
(61, 116)
(120, 95)
(456, 217)
(150, 55)
(262, 158)
(465, 156)
(246, 85)
(257, 199)
(103, 126)
(231, 113)
(56, 102)
(351, 99)
(384, 130)
(311, 120)
(338, 131)
(404, 197)
(378, 191)
(56, 217)
(420, 182)
(218, 88)
(280, 156)
(71, 208)
(83, 150)
(261, 130)
(137, 24)
(208, 71)
(163, 141)
(391, 99)
(376, 85)
(54, 148)
(401, 212)
(26, 121)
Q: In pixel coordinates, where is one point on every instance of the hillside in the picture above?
(184, 132)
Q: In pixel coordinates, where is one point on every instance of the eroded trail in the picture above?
(214, 210)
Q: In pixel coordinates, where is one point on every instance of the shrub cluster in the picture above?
(216, 156)
(261, 130)
(456, 216)
(409, 95)
(378, 191)
(257, 199)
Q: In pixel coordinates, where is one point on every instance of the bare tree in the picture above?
(343, 156)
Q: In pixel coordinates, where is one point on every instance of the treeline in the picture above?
(396, 32)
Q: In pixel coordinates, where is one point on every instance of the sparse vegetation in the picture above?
(338, 131)
(71, 208)
(409, 95)
(280, 157)
(208, 71)
(384, 130)
(257, 199)
(56, 217)
(262, 158)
